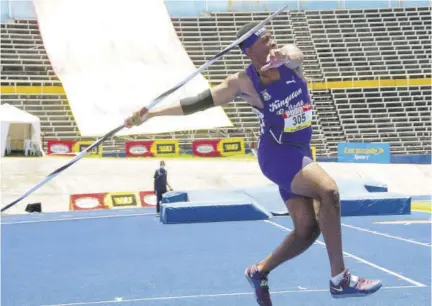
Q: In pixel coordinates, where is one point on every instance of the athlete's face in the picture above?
(261, 48)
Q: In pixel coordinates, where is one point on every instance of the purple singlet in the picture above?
(286, 127)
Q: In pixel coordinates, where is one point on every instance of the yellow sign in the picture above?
(165, 148)
(80, 146)
(231, 146)
(313, 149)
(121, 199)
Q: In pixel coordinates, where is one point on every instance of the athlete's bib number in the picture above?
(299, 121)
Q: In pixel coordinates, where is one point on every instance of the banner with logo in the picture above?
(364, 152)
(88, 201)
(231, 146)
(147, 198)
(59, 147)
(80, 146)
(122, 200)
(218, 147)
(165, 148)
(112, 200)
(205, 148)
(152, 148)
(138, 148)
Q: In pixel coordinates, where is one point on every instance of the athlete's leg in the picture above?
(306, 231)
(312, 181)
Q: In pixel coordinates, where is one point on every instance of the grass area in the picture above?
(423, 206)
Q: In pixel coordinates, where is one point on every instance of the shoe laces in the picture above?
(363, 282)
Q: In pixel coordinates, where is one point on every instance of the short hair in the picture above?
(244, 29)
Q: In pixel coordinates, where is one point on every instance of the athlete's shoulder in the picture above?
(244, 76)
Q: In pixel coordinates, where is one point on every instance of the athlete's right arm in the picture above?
(220, 94)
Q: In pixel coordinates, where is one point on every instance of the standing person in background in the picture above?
(160, 184)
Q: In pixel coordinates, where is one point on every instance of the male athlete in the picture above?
(274, 85)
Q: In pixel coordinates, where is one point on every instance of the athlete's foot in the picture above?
(259, 283)
(352, 286)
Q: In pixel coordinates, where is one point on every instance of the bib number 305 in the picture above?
(299, 119)
(298, 122)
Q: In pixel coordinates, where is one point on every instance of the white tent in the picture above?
(18, 125)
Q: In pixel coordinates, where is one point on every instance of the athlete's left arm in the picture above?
(294, 56)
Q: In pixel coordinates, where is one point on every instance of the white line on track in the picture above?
(405, 222)
(409, 280)
(386, 235)
(181, 297)
(422, 211)
(80, 218)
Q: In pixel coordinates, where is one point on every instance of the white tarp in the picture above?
(114, 57)
(19, 125)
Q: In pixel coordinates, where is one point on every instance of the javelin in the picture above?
(150, 106)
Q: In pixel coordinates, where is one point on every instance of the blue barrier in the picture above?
(175, 196)
(380, 203)
(411, 159)
(216, 211)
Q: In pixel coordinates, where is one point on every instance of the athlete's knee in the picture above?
(330, 194)
(308, 230)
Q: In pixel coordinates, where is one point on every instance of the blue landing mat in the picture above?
(358, 198)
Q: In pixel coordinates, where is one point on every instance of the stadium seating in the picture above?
(361, 44)
(339, 45)
(399, 115)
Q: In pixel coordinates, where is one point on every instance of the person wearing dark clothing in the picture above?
(160, 184)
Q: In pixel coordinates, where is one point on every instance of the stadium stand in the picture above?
(361, 44)
(368, 45)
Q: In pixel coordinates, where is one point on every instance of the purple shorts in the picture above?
(281, 162)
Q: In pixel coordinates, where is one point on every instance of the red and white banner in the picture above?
(88, 201)
(148, 198)
(206, 147)
(60, 147)
(138, 148)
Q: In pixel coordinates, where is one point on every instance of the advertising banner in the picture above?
(138, 148)
(59, 147)
(206, 148)
(218, 147)
(87, 201)
(364, 152)
(231, 147)
(112, 200)
(168, 148)
(147, 198)
(152, 148)
(122, 200)
(80, 146)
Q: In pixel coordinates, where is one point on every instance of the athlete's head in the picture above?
(258, 45)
